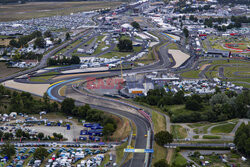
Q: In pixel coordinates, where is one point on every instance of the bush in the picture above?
(211, 137)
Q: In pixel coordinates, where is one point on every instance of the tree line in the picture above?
(90, 115)
(236, 22)
(220, 106)
(23, 40)
(242, 139)
(25, 103)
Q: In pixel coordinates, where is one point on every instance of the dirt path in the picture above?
(204, 66)
(169, 155)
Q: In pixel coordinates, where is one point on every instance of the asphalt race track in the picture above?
(141, 123)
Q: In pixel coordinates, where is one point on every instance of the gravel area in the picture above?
(37, 89)
(178, 56)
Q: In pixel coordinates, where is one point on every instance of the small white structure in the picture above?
(13, 114)
(243, 158)
(127, 26)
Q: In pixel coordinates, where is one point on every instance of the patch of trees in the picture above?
(8, 149)
(163, 137)
(186, 32)
(23, 40)
(31, 56)
(67, 36)
(125, 45)
(24, 102)
(40, 42)
(159, 97)
(135, 24)
(41, 153)
(213, 108)
(22, 134)
(47, 34)
(58, 136)
(189, 9)
(64, 61)
(161, 163)
(90, 115)
(242, 139)
(215, 22)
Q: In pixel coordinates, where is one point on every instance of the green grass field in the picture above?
(117, 54)
(179, 160)
(211, 137)
(196, 136)
(41, 78)
(191, 74)
(227, 128)
(101, 45)
(159, 153)
(178, 132)
(120, 152)
(70, 46)
(159, 122)
(229, 71)
(147, 58)
(172, 46)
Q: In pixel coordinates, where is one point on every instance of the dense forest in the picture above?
(210, 107)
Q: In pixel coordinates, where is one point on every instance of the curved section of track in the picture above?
(141, 123)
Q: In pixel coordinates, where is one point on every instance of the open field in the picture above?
(191, 74)
(5, 71)
(178, 132)
(226, 128)
(159, 125)
(117, 54)
(159, 122)
(159, 153)
(120, 152)
(46, 9)
(41, 78)
(123, 129)
(147, 58)
(172, 46)
(179, 160)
